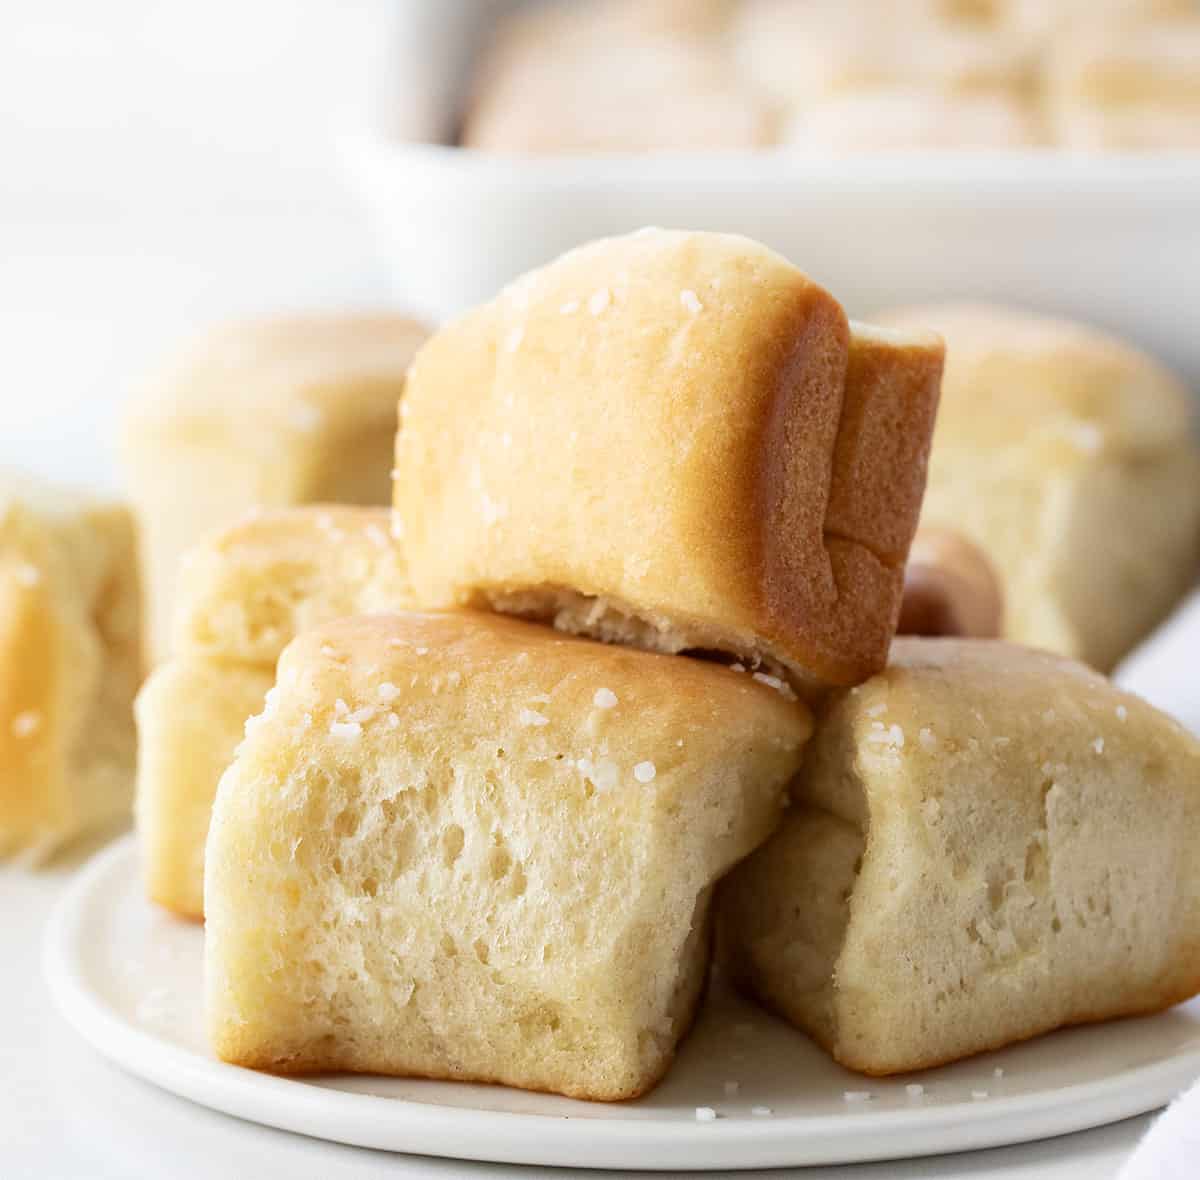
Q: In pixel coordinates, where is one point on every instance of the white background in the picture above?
(164, 164)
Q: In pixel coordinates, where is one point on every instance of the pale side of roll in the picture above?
(244, 593)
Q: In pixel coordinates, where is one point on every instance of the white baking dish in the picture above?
(1111, 239)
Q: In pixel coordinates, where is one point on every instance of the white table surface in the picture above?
(125, 224)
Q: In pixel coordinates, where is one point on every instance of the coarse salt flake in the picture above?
(340, 708)
(599, 301)
(691, 301)
(605, 698)
(388, 692)
(644, 772)
(24, 724)
(914, 1090)
(856, 1095)
(761, 1112)
(532, 717)
(360, 715)
(304, 417)
(1122, 713)
(705, 1114)
(780, 686)
(345, 729)
(1098, 745)
(327, 651)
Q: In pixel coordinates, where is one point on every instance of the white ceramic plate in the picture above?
(128, 977)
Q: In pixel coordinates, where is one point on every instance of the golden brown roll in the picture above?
(675, 440)
(950, 589)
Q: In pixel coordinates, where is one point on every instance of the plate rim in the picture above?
(537, 1139)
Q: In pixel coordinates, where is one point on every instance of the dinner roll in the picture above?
(950, 588)
(579, 78)
(890, 120)
(69, 664)
(245, 592)
(461, 846)
(1067, 456)
(801, 53)
(986, 843)
(191, 714)
(674, 440)
(1122, 88)
(268, 412)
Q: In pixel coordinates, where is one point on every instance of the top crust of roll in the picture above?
(309, 374)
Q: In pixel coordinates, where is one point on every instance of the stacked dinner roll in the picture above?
(259, 414)
(838, 76)
(655, 507)
(245, 592)
(461, 845)
(70, 662)
(1067, 455)
(677, 441)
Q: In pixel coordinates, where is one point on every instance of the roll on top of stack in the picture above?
(676, 440)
